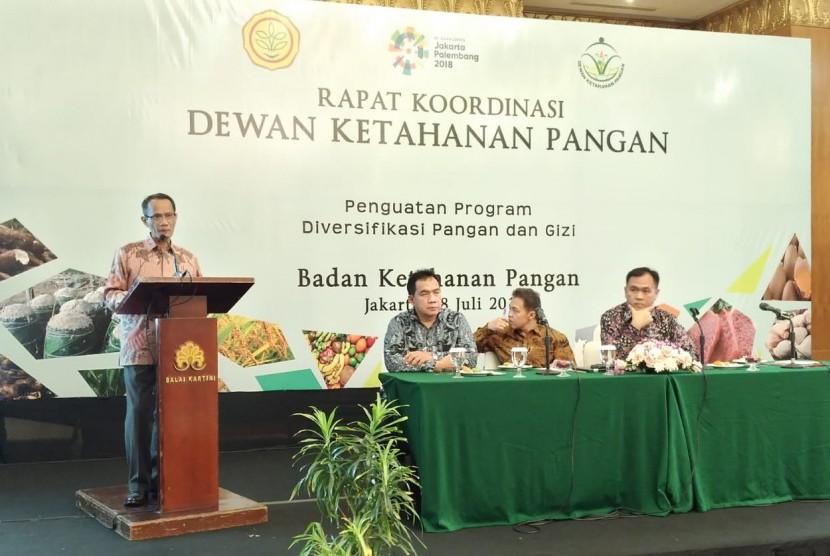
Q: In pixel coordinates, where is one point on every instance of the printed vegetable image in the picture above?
(105, 382)
(20, 250)
(249, 342)
(729, 333)
(338, 355)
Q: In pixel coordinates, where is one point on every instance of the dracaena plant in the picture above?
(362, 489)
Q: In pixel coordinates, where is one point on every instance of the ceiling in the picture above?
(678, 11)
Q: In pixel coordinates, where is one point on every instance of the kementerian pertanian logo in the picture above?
(271, 40)
(600, 65)
(408, 47)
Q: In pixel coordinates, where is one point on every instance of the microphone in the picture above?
(781, 315)
(176, 272)
(540, 316)
(695, 312)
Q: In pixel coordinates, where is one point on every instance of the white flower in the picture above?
(661, 356)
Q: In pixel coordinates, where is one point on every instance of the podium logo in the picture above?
(189, 356)
(271, 40)
(600, 65)
(408, 48)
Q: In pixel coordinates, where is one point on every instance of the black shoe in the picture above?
(135, 499)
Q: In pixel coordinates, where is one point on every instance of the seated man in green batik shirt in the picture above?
(420, 339)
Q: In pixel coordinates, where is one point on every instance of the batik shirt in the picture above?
(534, 340)
(406, 333)
(616, 329)
(134, 260)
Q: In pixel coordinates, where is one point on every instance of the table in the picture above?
(760, 438)
(499, 450)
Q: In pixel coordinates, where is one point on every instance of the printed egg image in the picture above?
(791, 280)
(801, 275)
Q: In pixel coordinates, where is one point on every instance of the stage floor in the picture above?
(38, 517)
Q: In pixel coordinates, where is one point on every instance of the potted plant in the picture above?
(363, 490)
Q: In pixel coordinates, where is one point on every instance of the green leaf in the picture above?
(353, 471)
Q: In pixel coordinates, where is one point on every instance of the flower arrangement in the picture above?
(657, 356)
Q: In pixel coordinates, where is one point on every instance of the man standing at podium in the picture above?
(153, 257)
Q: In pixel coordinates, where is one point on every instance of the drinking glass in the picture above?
(518, 356)
(607, 354)
(753, 363)
(563, 366)
(459, 356)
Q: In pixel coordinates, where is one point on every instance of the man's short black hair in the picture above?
(420, 275)
(529, 297)
(641, 271)
(145, 204)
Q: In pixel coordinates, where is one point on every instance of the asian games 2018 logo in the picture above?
(600, 65)
(408, 47)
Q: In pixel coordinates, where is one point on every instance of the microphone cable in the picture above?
(534, 526)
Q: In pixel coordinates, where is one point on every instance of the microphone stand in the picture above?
(792, 364)
(702, 340)
(547, 349)
(546, 370)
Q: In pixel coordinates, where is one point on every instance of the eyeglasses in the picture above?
(169, 216)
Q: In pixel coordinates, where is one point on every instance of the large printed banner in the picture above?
(328, 150)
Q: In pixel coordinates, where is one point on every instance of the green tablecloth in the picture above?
(498, 450)
(760, 438)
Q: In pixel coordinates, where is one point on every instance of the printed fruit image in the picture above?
(337, 355)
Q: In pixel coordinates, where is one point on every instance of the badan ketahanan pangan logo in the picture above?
(600, 65)
(271, 40)
(408, 47)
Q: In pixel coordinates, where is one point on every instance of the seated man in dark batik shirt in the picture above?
(638, 320)
(420, 339)
(522, 327)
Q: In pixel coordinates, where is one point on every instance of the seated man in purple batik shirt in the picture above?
(638, 320)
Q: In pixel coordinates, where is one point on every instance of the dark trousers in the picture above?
(140, 428)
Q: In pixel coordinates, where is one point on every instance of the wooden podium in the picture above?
(190, 499)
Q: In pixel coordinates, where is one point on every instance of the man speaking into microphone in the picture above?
(152, 257)
(524, 326)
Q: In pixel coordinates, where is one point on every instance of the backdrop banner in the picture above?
(328, 150)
